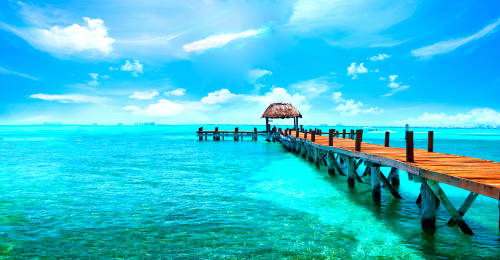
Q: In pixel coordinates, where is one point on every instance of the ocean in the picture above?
(156, 191)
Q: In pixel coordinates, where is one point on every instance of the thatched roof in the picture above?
(281, 110)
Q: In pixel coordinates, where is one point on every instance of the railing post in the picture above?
(409, 147)
(343, 133)
(236, 134)
(430, 141)
(386, 141)
(359, 139)
(351, 135)
(313, 136)
(305, 134)
(216, 134)
(330, 137)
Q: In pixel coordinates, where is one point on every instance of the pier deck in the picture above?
(472, 174)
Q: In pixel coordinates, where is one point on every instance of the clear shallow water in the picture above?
(72, 191)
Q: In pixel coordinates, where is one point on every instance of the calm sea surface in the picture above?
(151, 191)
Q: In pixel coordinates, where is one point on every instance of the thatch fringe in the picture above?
(281, 110)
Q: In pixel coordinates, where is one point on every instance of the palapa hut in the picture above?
(281, 110)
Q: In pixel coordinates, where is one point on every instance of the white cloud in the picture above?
(395, 86)
(15, 73)
(479, 117)
(349, 107)
(379, 57)
(176, 92)
(94, 81)
(144, 95)
(450, 45)
(69, 98)
(91, 37)
(256, 74)
(218, 96)
(135, 67)
(219, 40)
(354, 70)
(163, 108)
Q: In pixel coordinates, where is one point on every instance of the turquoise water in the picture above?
(117, 191)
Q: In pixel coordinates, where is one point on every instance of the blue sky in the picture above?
(361, 62)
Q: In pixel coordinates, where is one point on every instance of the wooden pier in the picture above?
(344, 156)
(343, 153)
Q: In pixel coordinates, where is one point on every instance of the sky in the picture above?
(357, 62)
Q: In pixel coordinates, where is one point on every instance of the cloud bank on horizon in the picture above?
(361, 62)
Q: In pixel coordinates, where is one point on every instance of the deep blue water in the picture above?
(151, 191)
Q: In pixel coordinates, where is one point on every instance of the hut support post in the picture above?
(268, 130)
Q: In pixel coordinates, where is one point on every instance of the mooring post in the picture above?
(386, 141)
(330, 137)
(430, 141)
(359, 139)
(429, 207)
(375, 178)
(200, 135)
(216, 134)
(350, 172)
(343, 133)
(236, 133)
(255, 133)
(409, 147)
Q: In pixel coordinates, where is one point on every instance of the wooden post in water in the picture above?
(430, 141)
(350, 172)
(375, 175)
(429, 207)
(200, 136)
(359, 139)
(386, 141)
(409, 147)
(343, 133)
(216, 136)
(236, 134)
(255, 133)
(330, 137)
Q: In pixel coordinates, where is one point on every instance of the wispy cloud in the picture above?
(163, 108)
(176, 92)
(92, 37)
(15, 73)
(450, 45)
(134, 67)
(69, 98)
(379, 57)
(144, 95)
(479, 117)
(219, 40)
(218, 96)
(394, 85)
(315, 87)
(256, 74)
(354, 70)
(349, 107)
